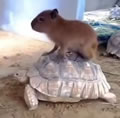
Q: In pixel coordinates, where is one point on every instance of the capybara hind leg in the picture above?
(86, 53)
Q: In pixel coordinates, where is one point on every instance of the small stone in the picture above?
(5, 57)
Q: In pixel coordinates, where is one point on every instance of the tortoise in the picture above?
(70, 80)
(113, 46)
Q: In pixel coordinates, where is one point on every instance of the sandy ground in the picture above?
(18, 52)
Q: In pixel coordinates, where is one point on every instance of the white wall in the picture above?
(99, 4)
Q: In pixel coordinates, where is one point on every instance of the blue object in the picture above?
(80, 9)
(104, 31)
(115, 13)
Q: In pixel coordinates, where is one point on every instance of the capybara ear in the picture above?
(54, 13)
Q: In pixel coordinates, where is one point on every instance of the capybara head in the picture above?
(44, 21)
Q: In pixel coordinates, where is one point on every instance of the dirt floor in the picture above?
(18, 52)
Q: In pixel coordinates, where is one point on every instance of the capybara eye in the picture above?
(17, 74)
(41, 19)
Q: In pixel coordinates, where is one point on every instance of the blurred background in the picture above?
(16, 15)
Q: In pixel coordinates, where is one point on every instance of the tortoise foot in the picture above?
(110, 97)
(30, 97)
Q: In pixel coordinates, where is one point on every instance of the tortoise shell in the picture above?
(68, 79)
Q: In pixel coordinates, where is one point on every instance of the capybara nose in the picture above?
(33, 23)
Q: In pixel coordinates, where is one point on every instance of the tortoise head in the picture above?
(21, 76)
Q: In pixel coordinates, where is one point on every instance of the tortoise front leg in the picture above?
(30, 97)
(53, 50)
